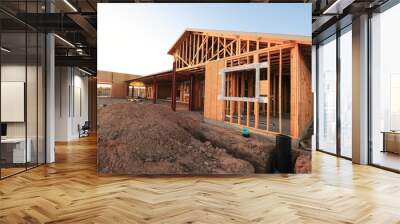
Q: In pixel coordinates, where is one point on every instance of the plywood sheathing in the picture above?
(213, 108)
(306, 102)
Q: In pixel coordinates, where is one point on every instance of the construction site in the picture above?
(221, 82)
(261, 81)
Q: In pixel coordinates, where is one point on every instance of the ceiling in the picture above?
(73, 21)
(326, 13)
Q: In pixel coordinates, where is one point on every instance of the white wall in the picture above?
(33, 126)
(71, 94)
(12, 73)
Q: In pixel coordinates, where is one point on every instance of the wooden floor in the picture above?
(386, 159)
(70, 191)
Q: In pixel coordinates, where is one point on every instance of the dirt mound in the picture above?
(150, 139)
(143, 138)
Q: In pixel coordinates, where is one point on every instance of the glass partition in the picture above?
(22, 107)
(327, 95)
(14, 153)
(346, 92)
(31, 97)
(385, 89)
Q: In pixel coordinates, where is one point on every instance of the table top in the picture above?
(13, 140)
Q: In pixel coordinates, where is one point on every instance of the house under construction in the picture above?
(258, 80)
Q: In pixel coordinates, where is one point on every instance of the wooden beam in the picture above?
(264, 50)
(181, 59)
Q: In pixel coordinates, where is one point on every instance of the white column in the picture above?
(314, 91)
(360, 90)
(50, 99)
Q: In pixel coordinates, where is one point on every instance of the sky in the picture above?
(135, 38)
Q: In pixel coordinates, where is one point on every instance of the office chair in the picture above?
(84, 130)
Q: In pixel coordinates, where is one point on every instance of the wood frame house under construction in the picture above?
(258, 80)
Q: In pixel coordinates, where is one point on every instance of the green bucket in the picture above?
(245, 132)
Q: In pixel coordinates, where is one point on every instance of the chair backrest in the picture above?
(86, 125)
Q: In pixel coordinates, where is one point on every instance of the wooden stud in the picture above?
(218, 48)
(248, 115)
(237, 46)
(207, 48)
(231, 105)
(173, 103)
(201, 53)
(247, 51)
(186, 51)
(239, 114)
(212, 46)
(276, 83)
(224, 47)
(154, 90)
(256, 114)
(190, 50)
(231, 54)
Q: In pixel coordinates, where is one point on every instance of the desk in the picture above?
(391, 141)
(16, 147)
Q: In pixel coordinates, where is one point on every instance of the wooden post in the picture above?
(269, 91)
(173, 103)
(239, 114)
(191, 93)
(275, 94)
(248, 114)
(256, 114)
(256, 103)
(154, 90)
(231, 111)
(242, 89)
(280, 90)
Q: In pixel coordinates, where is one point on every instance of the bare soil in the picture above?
(142, 138)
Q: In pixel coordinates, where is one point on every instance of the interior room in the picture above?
(356, 84)
(22, 100)
(385, 88)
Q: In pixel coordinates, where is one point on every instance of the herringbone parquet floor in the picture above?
(70, 191)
